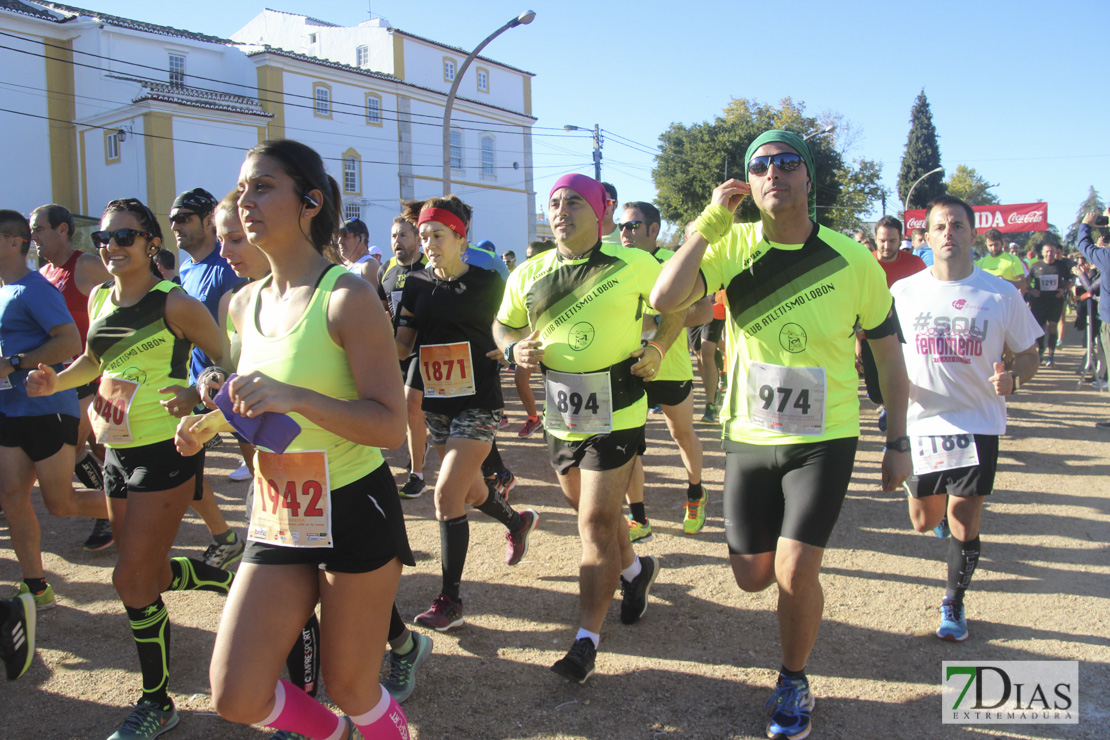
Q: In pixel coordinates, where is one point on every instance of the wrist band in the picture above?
(714, 222)
(662, 354)
(509, 352)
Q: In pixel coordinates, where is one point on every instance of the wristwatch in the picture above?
(15, 361)
(1017, 382)
(901, 444)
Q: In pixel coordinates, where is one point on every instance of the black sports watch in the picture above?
(901, 444)
(16, 362)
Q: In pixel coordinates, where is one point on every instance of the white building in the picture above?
(98, 107)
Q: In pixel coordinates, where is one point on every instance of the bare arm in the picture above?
(700, 313)
(90, 273)
(895, 385)
(406, 337)
(188, 318)
(1026, 363)
(64, 342)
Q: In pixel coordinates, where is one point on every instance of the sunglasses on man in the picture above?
(631, 225)
(785, 161)
(122, 237)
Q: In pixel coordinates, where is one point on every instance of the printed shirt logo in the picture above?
(793, 338)
(581, 335)
(949, 339)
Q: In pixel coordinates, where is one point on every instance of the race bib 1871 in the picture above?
(447, 370)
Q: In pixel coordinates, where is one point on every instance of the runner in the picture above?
(1049, 282)
(791, 416)
(37, 435)
(75, 274)
(141, 329)
(576, 312)
(956, 319)
(354, 250)
(392, 277)
(999, 262)
(17, 634)
(672, 388)
(338, 535)
(522, 376)
(448, 308)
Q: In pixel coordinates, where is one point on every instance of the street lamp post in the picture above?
(597, 146)
(906, 202)
(521, 20)
(827, 130)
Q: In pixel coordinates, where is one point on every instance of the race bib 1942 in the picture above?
(292, 499)
(787, 400)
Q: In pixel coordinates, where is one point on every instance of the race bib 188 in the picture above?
(931, 454)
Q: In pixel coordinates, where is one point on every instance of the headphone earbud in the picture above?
(310, 201)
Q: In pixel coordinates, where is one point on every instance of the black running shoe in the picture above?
(101, 536)
(17, 635)
(578, 664)
(635, 594)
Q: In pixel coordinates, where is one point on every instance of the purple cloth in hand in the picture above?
(269, 429)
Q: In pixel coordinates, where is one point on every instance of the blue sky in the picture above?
(1014, 86)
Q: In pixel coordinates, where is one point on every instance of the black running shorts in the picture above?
(410, 371)
(792, 491)
(976, 480)
(711, 331)
(151, 468)
(668, 392)
(39, 437)
(368, 531)
(599, 452)
(1047, 311)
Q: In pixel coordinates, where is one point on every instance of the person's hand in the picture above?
(897, 467)
(1002, 380)
(6, 368)
(729, 193)
(528, 352)
(650, 360)
(195, 430)
(184, 400)
(1035, 293)
(1060, 293)
(208, 385)
(254, 393)
(1089, 219)
(496, 354)
(42, 381)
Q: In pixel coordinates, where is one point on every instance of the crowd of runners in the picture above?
(286, 331)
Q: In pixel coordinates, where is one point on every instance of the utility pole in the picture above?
(597, 146)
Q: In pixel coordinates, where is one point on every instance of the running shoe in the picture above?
(504, 423)
(532, 424)
(953, 621)
(695, 513)
(17, 635)
(941, 530)
(639, 532)
(101, 536)
(402, 668)
(147, 720)
(578, 664)
(43, 600)
(656, 409)
(1102, 424)
(1049, 364)
(223, 556)
(634, 594)
(790, 706)
(504, 482)
(213, 443)
(444, 614)
(710, 415)
(413, 487)
(240, 473)
(1059, 343)
(353, 732)
(288, 735)
(517, 546)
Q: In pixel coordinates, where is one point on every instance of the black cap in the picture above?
(197, 200)
(354, 226)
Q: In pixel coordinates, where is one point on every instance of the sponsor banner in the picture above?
(1007, 219)
(1010, 692)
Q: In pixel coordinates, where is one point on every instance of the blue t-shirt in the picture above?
(207, 281)
(925, 252)
(481, 258)
(29, 308)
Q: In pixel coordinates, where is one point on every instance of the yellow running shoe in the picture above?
(695, 513)
(639, 532)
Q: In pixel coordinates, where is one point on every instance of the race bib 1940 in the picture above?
(292, 499)
(787, 400)
(931, 454)
(447, 370)
(111, 411)
(581, 403)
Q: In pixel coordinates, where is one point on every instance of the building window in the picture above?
(483, 80)
(312, 38)
(321, 94)
(352, 178)
(111, 147)
(352, 210)
(448, 69)
(177, 70)
(362, 56)
(373, 109)
(456, 149)
(487, 157)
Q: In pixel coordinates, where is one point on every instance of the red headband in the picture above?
(443, 216)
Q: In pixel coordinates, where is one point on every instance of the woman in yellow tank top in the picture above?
(316, 345)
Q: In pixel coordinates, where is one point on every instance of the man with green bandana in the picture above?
(791, 414)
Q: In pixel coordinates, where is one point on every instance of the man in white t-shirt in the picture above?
(956, 318)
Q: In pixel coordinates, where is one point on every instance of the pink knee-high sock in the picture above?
(386, 721)
(296, 711)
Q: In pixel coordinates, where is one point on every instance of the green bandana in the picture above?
(798, 144)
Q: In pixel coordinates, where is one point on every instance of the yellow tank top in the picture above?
(307, 356)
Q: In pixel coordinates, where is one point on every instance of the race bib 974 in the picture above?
(787, 400)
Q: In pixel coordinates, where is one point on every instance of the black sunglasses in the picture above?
(122, 237)
(180, 218)
(785, 161)
(631, 225)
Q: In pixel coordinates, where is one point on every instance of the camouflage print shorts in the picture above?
(479, 424)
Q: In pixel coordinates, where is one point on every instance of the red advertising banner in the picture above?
(1007, 219)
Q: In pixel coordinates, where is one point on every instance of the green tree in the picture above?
(697, 158)
(967, 185)
(922, 155)
(1091, 203)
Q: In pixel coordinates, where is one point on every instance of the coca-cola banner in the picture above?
(1007, 219)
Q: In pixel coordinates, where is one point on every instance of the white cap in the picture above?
(376, 252)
